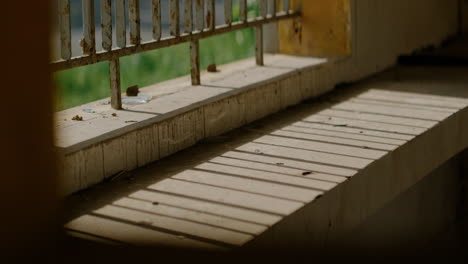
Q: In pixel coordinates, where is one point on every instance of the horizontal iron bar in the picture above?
(164, 42)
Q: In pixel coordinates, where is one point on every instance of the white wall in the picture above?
(384, 29)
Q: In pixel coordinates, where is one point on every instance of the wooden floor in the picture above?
(227, 191)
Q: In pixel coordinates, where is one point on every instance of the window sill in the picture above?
(179, 115)
(362, 151)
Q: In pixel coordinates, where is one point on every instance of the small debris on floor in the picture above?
(361, 132)
(133, 90)
(280, 164)
(77, 118)
(341, 125)
(138, 99)
(88, 110)
(366, 147)
(306, 173)
(114, 114)
(211, 68)
(155, 203)
(258, 151)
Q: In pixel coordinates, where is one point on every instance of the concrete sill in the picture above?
(107, 142)
(308, 176)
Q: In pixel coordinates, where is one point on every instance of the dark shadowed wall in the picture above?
(28, 204)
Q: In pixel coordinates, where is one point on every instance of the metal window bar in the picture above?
(210, 15)
(228, 12)
(106, 22)
(263, 9)
(188, 16)
(194, 30)
(120, 27)
(88, 42)
(134, 19)
(156, 4)
(272, 7)
(286, 6)
(65, 29)
(243, 11)
(200, 14)
(262, 6)
(174, 18)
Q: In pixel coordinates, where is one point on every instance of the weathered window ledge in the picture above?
(180, 115)
(307, 176)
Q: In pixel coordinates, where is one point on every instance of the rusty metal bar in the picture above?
(134, 19)
(263, 9)
(156, 19)
(211, 15)
(200, 14)
(65, 29)
(106, 24)
(195, 62)
(114, 73)
(88, 43)
(243, 10)
(165, 42)
(259, 45)
(120, 25)
(188, 16)
(272, 6)
(228, 12)
(174, 18)
(286, 6)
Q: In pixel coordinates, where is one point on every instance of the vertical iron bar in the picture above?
(272, 5)
(106, 24)
(243, 10)
(88, 43)
(200, 14)
(188, 16)
(211, 15)
(174, 18)
(195, 62)
(228, 12)
(65, 29)
(114, 72)
(259, 45)
(286, 6)
(120, 25)
(263, 9)
(134, 19)
(156, 19)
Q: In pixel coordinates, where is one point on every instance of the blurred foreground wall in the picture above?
(28, 205)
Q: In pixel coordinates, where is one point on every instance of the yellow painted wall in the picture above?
(373, 32)
(323, 30)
